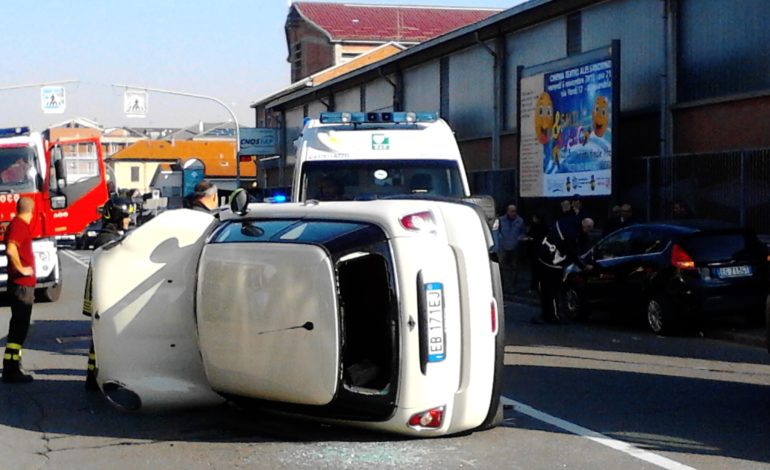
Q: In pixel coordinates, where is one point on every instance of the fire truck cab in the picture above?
(66, 179)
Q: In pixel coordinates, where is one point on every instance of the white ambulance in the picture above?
(354, 156)
(382, 314)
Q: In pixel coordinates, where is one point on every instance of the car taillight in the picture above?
(428, 419)
(419, 222)
(680, 258)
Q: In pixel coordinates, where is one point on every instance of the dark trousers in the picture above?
(550, 288)
(21, 298)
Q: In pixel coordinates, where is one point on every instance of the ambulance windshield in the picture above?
(362, 179)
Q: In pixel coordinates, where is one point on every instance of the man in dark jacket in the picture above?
(557, 251)
(205, 197)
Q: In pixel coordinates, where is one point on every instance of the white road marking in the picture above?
(75, 258)
(621, 446)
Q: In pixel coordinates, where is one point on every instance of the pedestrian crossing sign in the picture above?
(135, 103)
(52, 99)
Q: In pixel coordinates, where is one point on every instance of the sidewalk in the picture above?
(733, 331)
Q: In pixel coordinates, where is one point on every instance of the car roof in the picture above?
(691, 226)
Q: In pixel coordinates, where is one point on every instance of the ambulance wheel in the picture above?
(49, 294)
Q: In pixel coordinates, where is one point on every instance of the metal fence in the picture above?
(729, 186)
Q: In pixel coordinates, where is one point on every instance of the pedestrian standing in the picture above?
(21, 286)
(511, 232)
(536, 232)
(557, 251)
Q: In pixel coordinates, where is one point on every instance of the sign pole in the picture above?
(203, 97)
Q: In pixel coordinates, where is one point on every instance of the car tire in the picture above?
(660, 315)
(756, 316)
(575, 305)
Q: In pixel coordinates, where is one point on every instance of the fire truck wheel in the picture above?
(49, 294)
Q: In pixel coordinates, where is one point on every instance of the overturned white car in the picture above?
(382, 314)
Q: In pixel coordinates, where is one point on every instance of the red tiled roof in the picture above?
(347, 21)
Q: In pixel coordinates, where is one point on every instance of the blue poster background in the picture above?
(577, 150)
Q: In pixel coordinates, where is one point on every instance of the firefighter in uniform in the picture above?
(116, 216)
(21, 286)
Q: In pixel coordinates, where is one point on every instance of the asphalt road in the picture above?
(600, 395)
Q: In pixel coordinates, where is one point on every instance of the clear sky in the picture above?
(233, 50)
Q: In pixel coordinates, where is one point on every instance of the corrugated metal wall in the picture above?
(348, 100)
(471, 99)
(421, 88)
(294, 120)
(723, 48)
(379, 95)
(640, 27)
(542, 43)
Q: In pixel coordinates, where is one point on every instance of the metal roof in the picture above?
(519, 17)
(359, 22)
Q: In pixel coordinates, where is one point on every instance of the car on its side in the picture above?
(675, 274)
(381, 314)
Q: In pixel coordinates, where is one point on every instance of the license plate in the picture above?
(734, 271)
(434, 297)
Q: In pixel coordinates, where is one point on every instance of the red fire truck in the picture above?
(66, 179)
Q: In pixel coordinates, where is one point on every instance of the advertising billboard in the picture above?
(258, 141)
(566, 126)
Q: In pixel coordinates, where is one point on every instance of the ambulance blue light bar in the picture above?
(387, 117)
(14, 131)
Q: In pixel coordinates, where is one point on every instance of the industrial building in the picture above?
(690, 103)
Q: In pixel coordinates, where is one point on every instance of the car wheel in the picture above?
(660, 315)
(575, 304)
(49, 294)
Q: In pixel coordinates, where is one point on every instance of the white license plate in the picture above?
(734, 271)
(434, 297)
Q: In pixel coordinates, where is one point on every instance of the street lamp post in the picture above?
(34, 85)
(203, 97)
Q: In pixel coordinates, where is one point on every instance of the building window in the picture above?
(134, 174)
(296, 61)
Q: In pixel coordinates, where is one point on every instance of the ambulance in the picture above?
(355, 156)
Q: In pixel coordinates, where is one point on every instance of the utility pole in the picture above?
(203, 97)
(35, 85)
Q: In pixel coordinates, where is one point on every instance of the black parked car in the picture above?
(674, 273)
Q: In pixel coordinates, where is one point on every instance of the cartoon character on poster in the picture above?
(544, 127)
(573, 122)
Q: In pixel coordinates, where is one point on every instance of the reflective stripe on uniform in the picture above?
(15, 346)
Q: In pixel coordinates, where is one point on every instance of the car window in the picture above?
(645, 240)
(617, 244)
(288, 231)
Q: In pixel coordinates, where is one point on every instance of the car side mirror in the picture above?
(239, 201)
(486, 204)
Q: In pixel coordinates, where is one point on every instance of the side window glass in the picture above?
(81, 161)
(615, 246)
